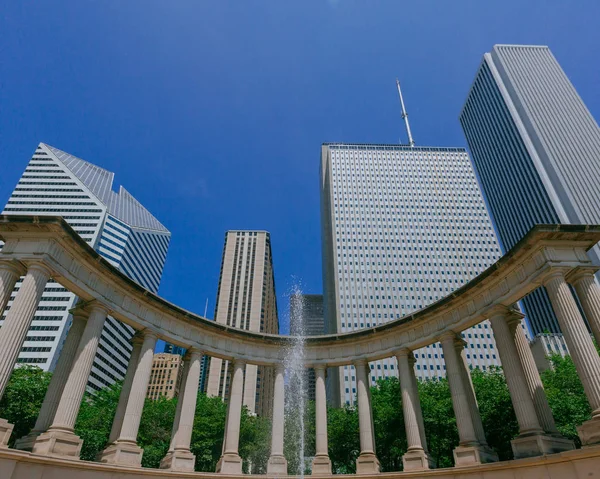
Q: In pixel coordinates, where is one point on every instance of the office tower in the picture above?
(536, 149)
(307, 319)
(165, 377)
(115, 224)
(172, 349)
(246, 300)
(402, 228)
(546, 345)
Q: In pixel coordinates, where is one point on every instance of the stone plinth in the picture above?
(589, 432)
(6, 429)
(182, 461)
(539, 445)
(122, 453)
(472, 455)
(321, 466)
(417, 460)
(58, 443)
(230, 464)
(367, 463)
(277, 466)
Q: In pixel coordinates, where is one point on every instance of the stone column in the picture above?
(415, 459)
(277, 464)
(231, 462)
(181, 458)
(470, 451)
(117, 424)
(582, 350)
(412, 361)
(124, 450)
(588, 292)
(57, 382)
(60, 439)
(367, 462)
(176, 420)
(321, 463)
(10, 272)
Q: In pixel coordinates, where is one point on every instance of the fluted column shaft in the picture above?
(532, 376)
(588, 293)
(365, 420)
(234, 408)
(186, 366)
(126, 388)
(322, 448)
(183, 437)
(139, 389)
(9, 274)
(61, 373)
(579, 342)
(458, 390)
(410, 398)
(278, 412)
(18, 320)
(74, 389)
(411, 361)
(514, 375)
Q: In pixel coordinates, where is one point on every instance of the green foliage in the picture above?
(95, 420)
(344, 444)
(209, 428)
(566, 397)
(388, 420)
(292, 434)
(497, 414)
(255, 442)
(154, 434)
(23, 399)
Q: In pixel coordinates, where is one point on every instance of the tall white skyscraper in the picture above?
(536, 149)
(246, 299)
(402, 228)
(115, 224)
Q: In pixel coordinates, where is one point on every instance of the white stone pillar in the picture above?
(175, 429)
(416, 458)
(367, 462)
(231, 462)
(57, 382)
(60, 440)
(117, 424)
(124, 450)
(10, 272)
(581, 348)
(321, 463)
(181, 458)
(588, 292)
(277, 464)
(470, 451)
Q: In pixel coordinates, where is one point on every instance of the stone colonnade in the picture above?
(53, 434)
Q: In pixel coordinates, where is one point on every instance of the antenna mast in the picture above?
(411, 142)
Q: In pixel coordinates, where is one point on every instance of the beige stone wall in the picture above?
(165, 377)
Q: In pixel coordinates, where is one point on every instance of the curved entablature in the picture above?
(82, 270)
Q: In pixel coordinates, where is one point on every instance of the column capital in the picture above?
(194, 353)
(402, 352)
(555, 273)
(447, 336)
(360, 362)
(498, 310)
(137, 338)
(13, 266)
(39, 266)
(280, 368)
(84, 309)
(238, 362)
(149, 333)
(320, 368)
(581, 272)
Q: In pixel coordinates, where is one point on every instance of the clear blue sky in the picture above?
(212, 113)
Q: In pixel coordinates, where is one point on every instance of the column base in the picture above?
(589, 432)
(6, 430)
(539, 445)
(58, 443)
(230, 464)
(321, 466)
(277, 466)
(367, 464)
(417, 460)
(472, 455)
(180, 461)
(122, 453)
(26, 443)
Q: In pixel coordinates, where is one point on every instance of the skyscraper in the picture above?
(115, 224)
(536, 149)
(307, 319)
(246, 300)
(402, 227)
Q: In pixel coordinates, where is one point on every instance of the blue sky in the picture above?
(212, 113)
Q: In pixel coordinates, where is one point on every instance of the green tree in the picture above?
(344, 443)
(566, 396)
(255, 442)
(388, 420)
(292, 435)
(208, 432)
(23, 399)
(497, 413)
(95, 420)
(156, 425)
